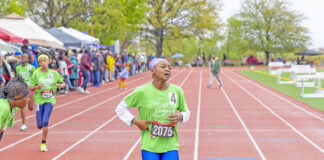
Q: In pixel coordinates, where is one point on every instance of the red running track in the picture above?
(243, 120)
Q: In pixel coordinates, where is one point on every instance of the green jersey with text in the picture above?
(47, 94)
(157, 105)
(25, 72)
(6, 116)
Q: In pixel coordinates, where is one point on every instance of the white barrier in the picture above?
(272, 65)
(319, 92)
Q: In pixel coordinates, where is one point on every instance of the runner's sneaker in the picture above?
(86, 92)
(81, 90)
(23, 127)
(209, 86)
(43, 147)
(221, 85)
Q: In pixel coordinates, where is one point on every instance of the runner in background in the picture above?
(215, 69)
(45, 83)
(25, 70)
(157, 103)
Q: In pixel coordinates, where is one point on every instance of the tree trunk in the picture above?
(159, 42)
(267, 56)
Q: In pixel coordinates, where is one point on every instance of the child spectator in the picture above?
(122, 76)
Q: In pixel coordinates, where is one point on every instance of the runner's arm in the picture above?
(124, 114)
(185, 116)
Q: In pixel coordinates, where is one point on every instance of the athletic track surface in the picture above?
(244, 120)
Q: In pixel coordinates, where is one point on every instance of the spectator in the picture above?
(25, 48)
(96, 69)
(110, 65)
(33, 56)
(75, 70)
(85, 67)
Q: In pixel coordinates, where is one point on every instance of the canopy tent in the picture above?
(309, 53)
(68, 40)
(9, 37)
(100, 46)
(84, 38)
(26, 28)
(6, 47)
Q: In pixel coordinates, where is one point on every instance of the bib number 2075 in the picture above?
(162, 130)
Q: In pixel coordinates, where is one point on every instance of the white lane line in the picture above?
(132, 149)
(184, 130)
(275, 114)
(84, 138)
(198, 120)
(139, 139)
(87, 136)
(243, 124)
(278, 96)
(85, 97)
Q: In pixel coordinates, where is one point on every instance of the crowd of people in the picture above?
(79, 68)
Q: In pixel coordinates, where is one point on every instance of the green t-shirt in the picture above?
(154, 104)
(25, 72)
(6, 116)
(49, 80)
(215, 66)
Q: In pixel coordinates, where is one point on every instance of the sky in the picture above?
(313, 10)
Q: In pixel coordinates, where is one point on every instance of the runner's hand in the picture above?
(39, 86)
(175, 118)
(142, 124)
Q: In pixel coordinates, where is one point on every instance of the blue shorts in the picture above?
(170, 155)
(43, 113)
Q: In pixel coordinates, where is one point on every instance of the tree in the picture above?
(120, 19)
(12, 6)
(175, 19)
(54, 13)
(271, 26)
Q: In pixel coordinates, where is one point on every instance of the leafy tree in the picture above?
(176, 19)
(54, 13)
(12, 6)
(271, 26)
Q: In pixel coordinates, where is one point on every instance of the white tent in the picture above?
(6, 47)
(26, 28)
(84, 38)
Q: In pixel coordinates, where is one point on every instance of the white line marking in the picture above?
(132, 149)
(274, 94)
(85, 97)
(198, 120)
(243, 124)
(183, 130)
(137, 142)
(84, 138)
(279, 117)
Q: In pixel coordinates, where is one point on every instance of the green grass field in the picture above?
(288, 89)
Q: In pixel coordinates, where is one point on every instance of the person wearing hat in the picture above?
(161, 106)
(25, 48)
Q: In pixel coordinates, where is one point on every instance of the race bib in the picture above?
(29, 68)
(47, 94)
(173, 98)
(162, 130)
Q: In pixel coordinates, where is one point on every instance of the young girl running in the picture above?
(14, 94)
(25, 70)
(45, 83)
(157, 103)
(122, 76)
